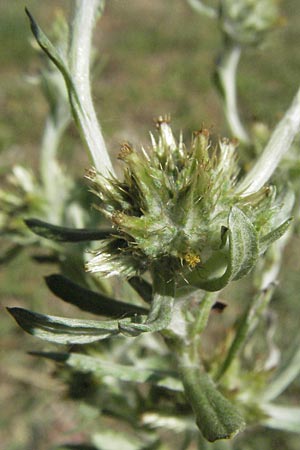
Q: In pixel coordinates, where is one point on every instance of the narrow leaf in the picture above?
(94, 302)
(76, 447)
(216, 417)
(285, 375)
(52, 53)
(63, 330)
(142, 287)
(63, 234)
(109, 439)
(243, 254)
(88, 125)
(10, 253)
(285, 418)
(271, 237)
(243, 244)
(101, 368)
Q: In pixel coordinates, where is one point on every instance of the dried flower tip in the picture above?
(162, 119)
(202, 132)
(125, 150)
(117, 218)
(90, 174)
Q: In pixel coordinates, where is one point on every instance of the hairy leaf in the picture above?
(101, 368)
(285, 418)
(63, 234)
(243, 254)
(271, 237)
(63, 330)
(94, 302)
(142, 287)
(216, 417)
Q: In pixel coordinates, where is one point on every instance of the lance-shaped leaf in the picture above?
(109, 439)
(63, 234)
(273, 236)
(285, 418)
(287, 372)
(82, 110)
(76, 447)
(279, 143)
(243, 244)
(142, 287)
(101, 368)
(10, 253)
(243, 254)
(63, 330)
(216, 417)
(94, 302)
(160, 313)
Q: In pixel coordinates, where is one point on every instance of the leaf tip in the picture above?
(33, 24)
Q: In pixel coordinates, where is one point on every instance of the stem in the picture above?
(203, 314)
(53, 131)
(226, 71)
(279, 143)
(247, 324)
(84, 18)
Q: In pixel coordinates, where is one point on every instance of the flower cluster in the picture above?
(248, 21)
(180, 206)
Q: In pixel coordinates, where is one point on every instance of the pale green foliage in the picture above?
(183, 217)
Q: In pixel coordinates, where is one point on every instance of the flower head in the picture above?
(248, 21)
(179, 205)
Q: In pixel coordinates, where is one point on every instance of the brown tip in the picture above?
(125, 150)
(162, 119)
(90, 174)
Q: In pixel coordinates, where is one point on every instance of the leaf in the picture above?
(243, 254)
(142, 287)
(10, 253)
(56, 58)
(287, 372)
(285, 418)
(273, 236)
(83, 116)
(76, 447)
(86, 300)
(216, 417)
(174, 423)
(101, 368)
(110, 439)
(63, 330)
(243, 244)
(63, 234)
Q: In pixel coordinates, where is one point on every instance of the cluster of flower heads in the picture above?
(248, 21)
(180, 205)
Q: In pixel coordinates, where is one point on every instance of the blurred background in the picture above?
(152, 58)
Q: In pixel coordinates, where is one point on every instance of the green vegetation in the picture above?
(151, 58)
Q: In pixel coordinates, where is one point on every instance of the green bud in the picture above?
(248, 21)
